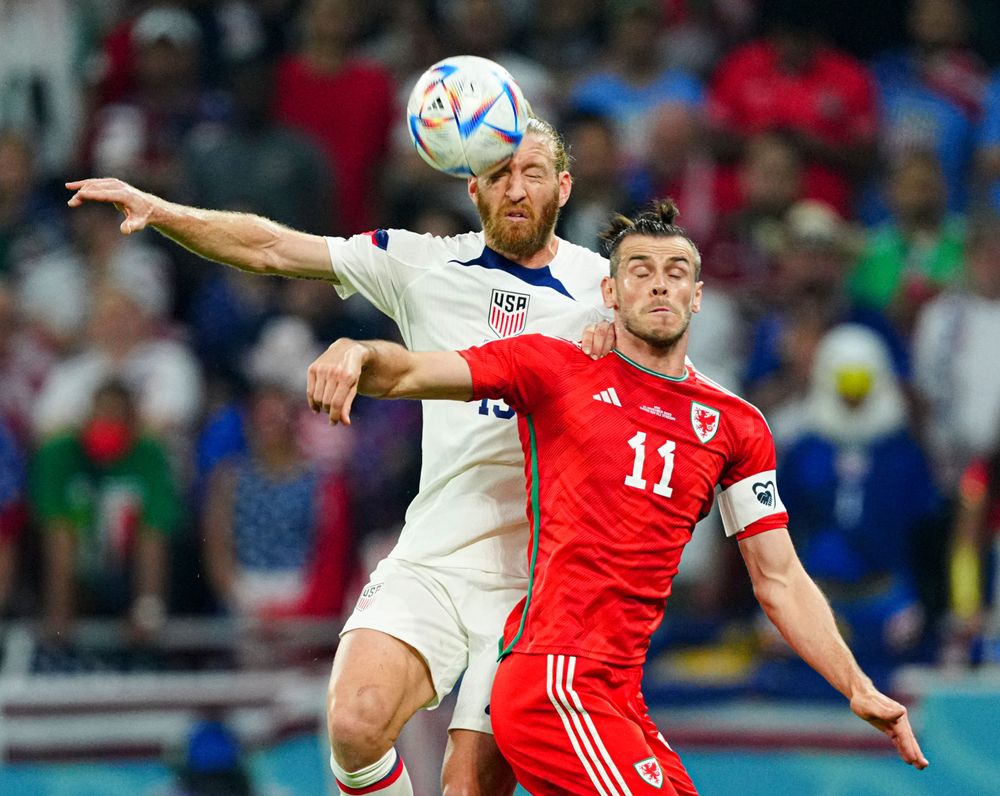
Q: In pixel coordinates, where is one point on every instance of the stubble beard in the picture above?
(662, 340)
(519, 240)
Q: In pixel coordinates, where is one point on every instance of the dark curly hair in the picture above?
(656, 222)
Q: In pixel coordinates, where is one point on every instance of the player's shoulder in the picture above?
(403, 241)
(549, 348)
(714, 395)
(574, 252)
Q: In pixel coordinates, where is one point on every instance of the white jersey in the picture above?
(453, 293)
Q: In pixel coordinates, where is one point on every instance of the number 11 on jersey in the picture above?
(666, 451)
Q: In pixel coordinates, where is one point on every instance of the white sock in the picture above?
(386, 777)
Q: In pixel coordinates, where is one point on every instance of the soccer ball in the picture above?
(466, 115)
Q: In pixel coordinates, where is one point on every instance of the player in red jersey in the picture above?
(622, 458)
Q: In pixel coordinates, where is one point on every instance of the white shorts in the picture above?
(453, 617)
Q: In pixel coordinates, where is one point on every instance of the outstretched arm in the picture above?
(383, 370)
(801, 613)
(250, 243)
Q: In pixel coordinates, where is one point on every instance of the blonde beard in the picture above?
(534, 239)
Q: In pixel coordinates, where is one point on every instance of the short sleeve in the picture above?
(380, 264)
(749, 501)
(517, 369)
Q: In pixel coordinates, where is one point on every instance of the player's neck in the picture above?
(665, 361)
(539, 259)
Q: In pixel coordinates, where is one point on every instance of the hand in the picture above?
(891, 718)
(137, 206)
(333, 379)
(598, 339)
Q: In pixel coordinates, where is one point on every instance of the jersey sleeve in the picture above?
(380, 265)
(749, 501)
(517, 369)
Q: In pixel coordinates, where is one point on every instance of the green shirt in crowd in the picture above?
(106, 504)
(889, 262)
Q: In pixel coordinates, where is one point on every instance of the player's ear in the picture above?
(609, 292)
(565, 187)
(472, 186)
(696, 297)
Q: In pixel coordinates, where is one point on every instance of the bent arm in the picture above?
(383, 370)
(391, 371)
(248, 242)
(796, 606)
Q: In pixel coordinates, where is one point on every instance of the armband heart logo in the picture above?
(763, 493)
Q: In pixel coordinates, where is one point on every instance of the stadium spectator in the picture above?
(24, 361)
(931, 93)
(598, 185)
(277, 514)
(916, 253)
(143, 133)
(282, 173)
(789, 80)
(633, 80)
(272, 520)
(31, 222)
(408, 39)
(107, 505)
(344, 102)
(841, 479)
(813, 251)
(489, 29)
(122, 342)
(767, 182)
(563, 35)
(954, 357)
(676, 162)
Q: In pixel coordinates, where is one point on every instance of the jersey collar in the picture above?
(635, 364)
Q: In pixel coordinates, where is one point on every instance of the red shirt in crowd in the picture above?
(832, 99)
(349, 113)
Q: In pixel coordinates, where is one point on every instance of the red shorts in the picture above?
(570, 725)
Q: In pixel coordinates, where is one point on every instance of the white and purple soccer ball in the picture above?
(466, 115)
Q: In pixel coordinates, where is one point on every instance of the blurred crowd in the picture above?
(843, 182)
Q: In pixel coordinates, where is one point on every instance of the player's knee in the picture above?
(359, 729)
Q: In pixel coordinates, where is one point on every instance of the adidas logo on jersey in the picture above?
(608, 396)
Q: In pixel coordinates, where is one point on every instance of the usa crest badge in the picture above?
(704, 421)
(650, 772)
(508, 312)
(368, 595)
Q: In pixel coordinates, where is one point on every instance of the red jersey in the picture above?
(621, 462)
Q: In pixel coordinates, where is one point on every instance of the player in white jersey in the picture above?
(436, 606)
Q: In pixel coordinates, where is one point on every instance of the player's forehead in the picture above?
(656, 249)
(535, 149)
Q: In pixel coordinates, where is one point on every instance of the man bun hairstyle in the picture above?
(656, 222)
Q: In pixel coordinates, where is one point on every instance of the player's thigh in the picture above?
(377, 682)
(405, 617)
(483, 606)
(473, 766)
(564, 732)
